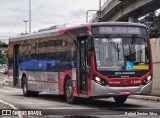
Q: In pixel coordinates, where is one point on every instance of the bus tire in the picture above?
(35, 93)
(120, 99)
(26, 92)
(69, 93)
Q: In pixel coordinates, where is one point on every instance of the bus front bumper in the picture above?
(98, 90)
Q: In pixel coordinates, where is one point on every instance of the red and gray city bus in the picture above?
(110, 59)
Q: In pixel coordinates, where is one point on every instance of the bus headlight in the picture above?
(149, 78)
(100, 81)
(97, 79)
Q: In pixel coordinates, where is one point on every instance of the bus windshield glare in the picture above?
(121, 54)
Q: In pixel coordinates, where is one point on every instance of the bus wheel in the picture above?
(69, 93)
(26, 92)
(120, 99)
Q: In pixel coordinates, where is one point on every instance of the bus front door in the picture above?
(81, 66)
(15, 64)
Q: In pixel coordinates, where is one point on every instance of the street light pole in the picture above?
(99, 5)
(25, 21)
(29, 16)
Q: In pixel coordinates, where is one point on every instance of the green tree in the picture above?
(152, 21)
(3, 59)
(2, 43)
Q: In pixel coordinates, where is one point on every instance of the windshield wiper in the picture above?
(114, 45)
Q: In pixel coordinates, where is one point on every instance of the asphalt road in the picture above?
(56, 105)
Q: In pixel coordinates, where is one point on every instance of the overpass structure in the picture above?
(125, 10)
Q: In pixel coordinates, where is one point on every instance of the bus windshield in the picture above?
(121, 54)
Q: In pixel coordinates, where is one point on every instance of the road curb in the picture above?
(144, 97)
(12, 106)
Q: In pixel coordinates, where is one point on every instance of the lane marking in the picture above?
(12, 106)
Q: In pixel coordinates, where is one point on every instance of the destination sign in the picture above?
(117, 30)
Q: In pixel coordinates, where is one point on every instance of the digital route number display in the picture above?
(117, 30)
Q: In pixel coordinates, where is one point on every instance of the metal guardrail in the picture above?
(107, 3)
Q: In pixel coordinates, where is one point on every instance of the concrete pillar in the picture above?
(155, 44)
(156, 79)
(132, 19)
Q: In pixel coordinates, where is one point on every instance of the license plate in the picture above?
(125, 92)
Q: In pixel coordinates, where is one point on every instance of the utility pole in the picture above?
(29, 16)
(25, 21)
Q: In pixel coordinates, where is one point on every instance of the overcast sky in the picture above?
(45, 13)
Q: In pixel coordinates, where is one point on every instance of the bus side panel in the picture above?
(43, 81)
(50, 82)
(61, 79)
(34, 82)
(74, 82)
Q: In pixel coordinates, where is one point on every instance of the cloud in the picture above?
(45, 13)
(7, 1)
(78, 13)
(41, 7)
(18, 10)
(4, 36)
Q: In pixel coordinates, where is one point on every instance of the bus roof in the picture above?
(47, 33)
(56, 32)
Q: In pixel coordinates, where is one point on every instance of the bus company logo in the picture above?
(61, 75)
(116, 73)
(124, 73)
(125, 82)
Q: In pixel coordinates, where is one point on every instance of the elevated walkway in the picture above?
(125, 10)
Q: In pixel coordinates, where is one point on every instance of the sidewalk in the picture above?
(145, 97)
(4, 82)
